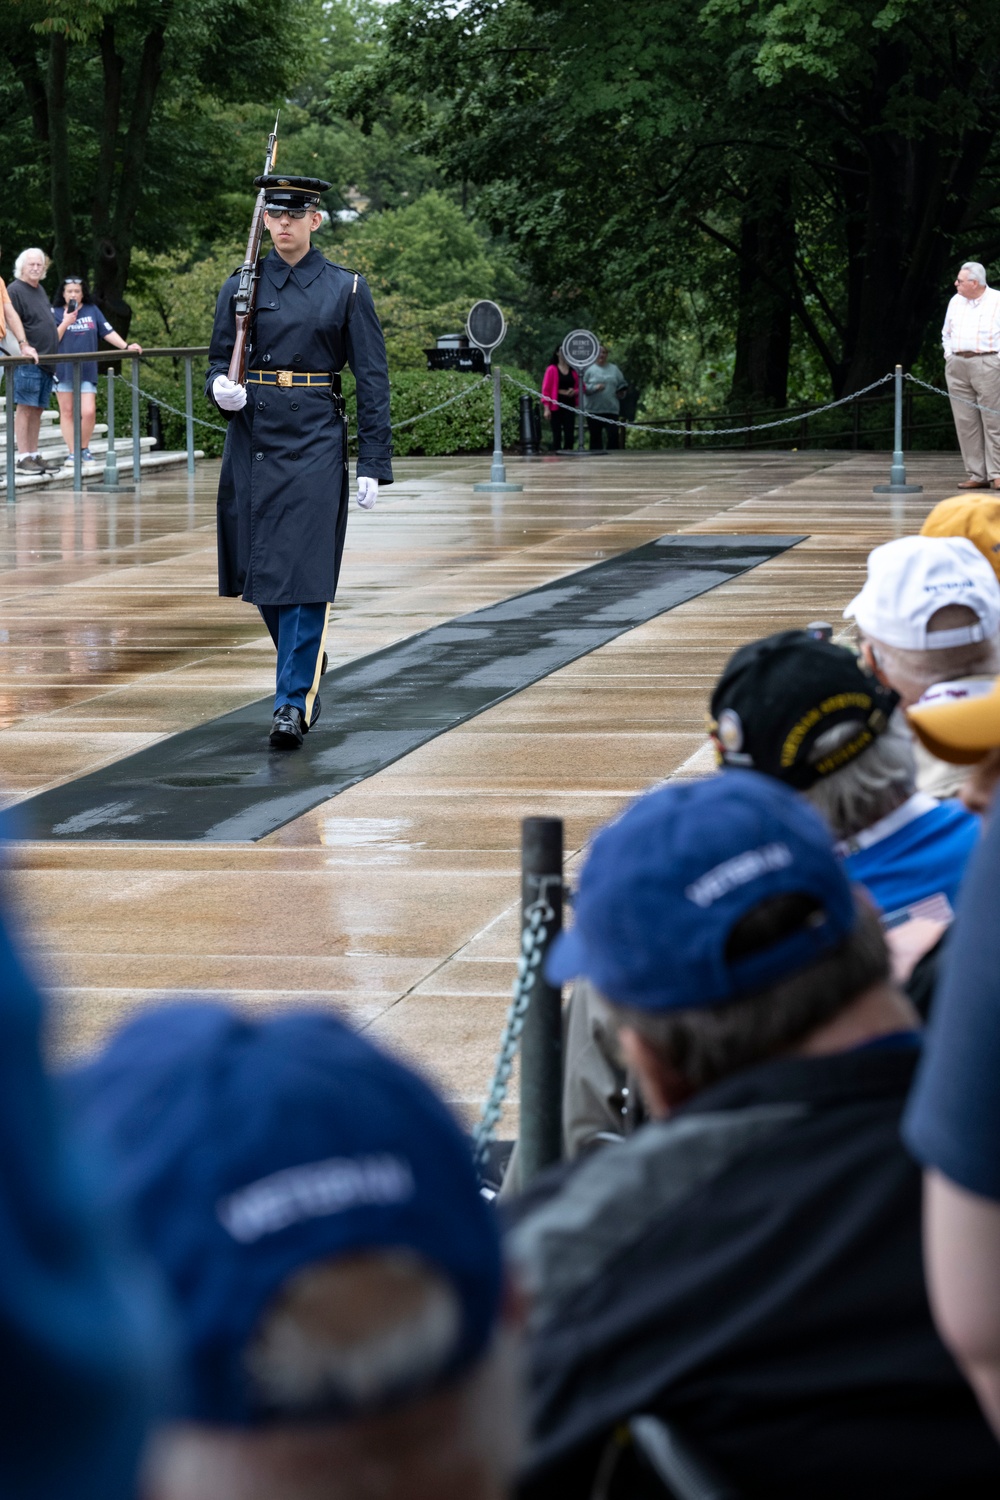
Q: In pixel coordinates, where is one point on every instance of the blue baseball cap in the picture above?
(245, 1150)
(664, 886)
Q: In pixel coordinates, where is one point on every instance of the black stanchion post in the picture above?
(541, 1039)
(528, 443)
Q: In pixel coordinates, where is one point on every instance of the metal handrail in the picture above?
(106, 357)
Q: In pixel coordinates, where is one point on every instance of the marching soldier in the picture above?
(284, 493)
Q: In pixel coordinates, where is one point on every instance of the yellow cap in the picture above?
(959, 729)
(972, 517)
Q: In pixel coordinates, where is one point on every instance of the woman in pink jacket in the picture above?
(560, 383)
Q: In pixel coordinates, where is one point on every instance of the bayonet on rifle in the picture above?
(246, 292)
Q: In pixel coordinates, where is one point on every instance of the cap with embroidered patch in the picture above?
(665, 885)
(777, 696)
(976, 519)
(246, 1150)
(910, 579)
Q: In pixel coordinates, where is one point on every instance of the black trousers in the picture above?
(563, 429)
(603, 434)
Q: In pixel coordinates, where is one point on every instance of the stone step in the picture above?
(63, 478)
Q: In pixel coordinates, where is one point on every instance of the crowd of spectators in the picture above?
(251, 1258)
(603, 389)
(40, 331)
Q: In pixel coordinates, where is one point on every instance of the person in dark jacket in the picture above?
(747, 1265)
(283, 493)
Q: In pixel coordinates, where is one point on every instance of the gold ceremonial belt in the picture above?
(288, 377)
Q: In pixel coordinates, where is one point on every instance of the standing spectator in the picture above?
(971, 339)
(603, 384)
(80, 323)
(32, 384)
(12, 339)
(561, 384)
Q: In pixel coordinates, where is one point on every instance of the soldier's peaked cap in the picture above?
(291, 192)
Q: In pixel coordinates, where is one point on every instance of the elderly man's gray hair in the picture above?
(975, 270)
(31, 250)
(869, 787)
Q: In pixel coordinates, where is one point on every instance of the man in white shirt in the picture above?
(971, 339)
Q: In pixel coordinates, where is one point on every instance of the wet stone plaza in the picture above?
(491, 657)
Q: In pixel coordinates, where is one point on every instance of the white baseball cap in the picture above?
(910, 579)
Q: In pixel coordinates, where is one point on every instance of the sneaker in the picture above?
(31, 466)
(87, 456)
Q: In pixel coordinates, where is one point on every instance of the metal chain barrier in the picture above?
(461, 396)
(160, 402)
(533, 937)
(707, 431)
(432, 409)
(963, 400)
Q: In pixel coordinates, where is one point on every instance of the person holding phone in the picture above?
(80, 324)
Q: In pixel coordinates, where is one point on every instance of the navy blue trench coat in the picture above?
(283, 493)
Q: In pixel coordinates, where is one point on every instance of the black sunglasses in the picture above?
(274, 212)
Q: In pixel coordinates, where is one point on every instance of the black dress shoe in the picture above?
(288, 728)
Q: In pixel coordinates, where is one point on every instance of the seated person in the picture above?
(806, 712)
(952, 1126)
(748, 1263)
(83, 1334)
(336, 1272)
(925, 649)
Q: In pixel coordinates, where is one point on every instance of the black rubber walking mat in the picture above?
(221, 783)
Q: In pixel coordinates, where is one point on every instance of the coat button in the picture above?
(293, 405)
(267, 359)
(272, 304)
(296, 359)
(261, 405)
(258, 456)
(293, 457)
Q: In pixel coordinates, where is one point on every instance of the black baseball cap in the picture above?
(294, 193)
(776, 696)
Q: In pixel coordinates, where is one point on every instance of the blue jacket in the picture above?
(283, 492)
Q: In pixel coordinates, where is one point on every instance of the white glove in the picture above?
(228, 395)
(367, 493)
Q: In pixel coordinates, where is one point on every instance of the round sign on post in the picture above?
(486, 326)
(580, 348)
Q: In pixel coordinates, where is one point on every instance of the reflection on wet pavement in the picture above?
(396, 902)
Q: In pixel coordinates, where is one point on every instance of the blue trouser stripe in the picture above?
(297, 631)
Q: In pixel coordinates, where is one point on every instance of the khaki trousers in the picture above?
(976, 379)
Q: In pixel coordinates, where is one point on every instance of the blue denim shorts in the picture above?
(32, 385)
(65, 387)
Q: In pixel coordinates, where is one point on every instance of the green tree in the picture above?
(810, 169)
(139, 120)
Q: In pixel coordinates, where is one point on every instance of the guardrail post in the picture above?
(77, 430)
(136, 434)
(9, 420)
(188, 414)
(897, 474)
(111, 457)
(541, 1039)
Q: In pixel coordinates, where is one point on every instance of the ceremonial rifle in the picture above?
(246, 292)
